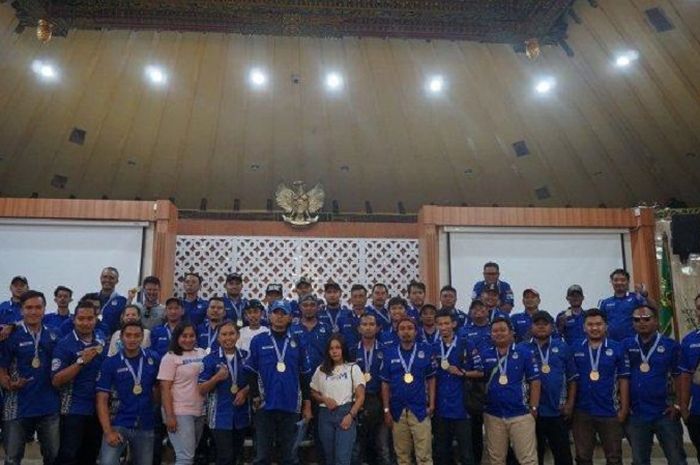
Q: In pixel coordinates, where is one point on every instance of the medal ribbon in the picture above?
(136, 377)
(367, 356)
(36, 339)
(280, 355)
(443, 355)
(407, 368)
(503, 362)
(545, 357)
(596, 362)
(232, 370)
(645, 358)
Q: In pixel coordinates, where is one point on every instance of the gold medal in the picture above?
(503, 380)
(444, 364)
(36, 363)
(137, 390)
(234, 389)
(595, 375)
(368, 377)
(644, 367)
(98, 349)
(546, 369)
(408, 378)
(281, 367)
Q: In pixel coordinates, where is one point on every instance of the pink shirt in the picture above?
(183, 370)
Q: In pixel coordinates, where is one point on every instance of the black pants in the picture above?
(553, 432)
(229, 445)
(477, 420)
(693, 424)
(446, 431)
(81, 437)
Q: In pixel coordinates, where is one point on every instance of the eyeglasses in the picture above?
(645, 319)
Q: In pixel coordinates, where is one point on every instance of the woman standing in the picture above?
(339, 388)
(183, 405)
(223, 380)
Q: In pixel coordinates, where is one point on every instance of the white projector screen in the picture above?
(69, 253)
(549, 260)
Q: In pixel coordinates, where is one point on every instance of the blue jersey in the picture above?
(10, 312)
(618, 311)
(350, 328)
(133, 411)
(649, 393)
(207, 336)
(235, 310)
(68, 326)
(597, 398)
(570, 326)
(334, 317)
(314, 341)
(477, 334)
(55, 320)
(450, 388)
(195, 310)
(279, 390)
(78, 395)
(690, 364)
(519, 366)
(369, 361)
(38, 397)
(404, 395)
(221, 413)
(413, 312)
(388, 338)
(505, 293)
(555, 354)
(160, 339)
(429, 338)
(382, 314)
(112, 307)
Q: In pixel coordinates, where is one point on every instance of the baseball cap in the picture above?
(491, 287)
(532, 290)
(280, 305)
(308, 298)
(573, 289)
(273, 288)
(235, 276)
(21, 279)
(303, 280)
(255, 303)
(542, 316)
(331, 285)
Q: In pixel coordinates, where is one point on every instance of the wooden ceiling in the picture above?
(605, 135)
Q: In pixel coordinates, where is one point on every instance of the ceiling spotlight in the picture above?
(257, 78)
(436, 84)
(334, 81)
(44, 70)
(544, 86)
(625, 59)
(156, 75)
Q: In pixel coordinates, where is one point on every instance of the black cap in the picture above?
(303, 280)
(308, 298)
(491, 287)
(542, 316)
(331, 285)
(255, 303)
(273, 288)
(21, 279)
(235, 276)
(574, 288)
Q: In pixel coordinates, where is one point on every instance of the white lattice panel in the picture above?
(264, 260)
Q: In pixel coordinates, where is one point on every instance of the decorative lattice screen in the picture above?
(264, 260)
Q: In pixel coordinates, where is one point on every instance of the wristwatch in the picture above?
(80, 361)
(386, 409)
(533, 408)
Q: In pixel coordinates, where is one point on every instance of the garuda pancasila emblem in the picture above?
(300, 207)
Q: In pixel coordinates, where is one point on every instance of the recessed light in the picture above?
(625, 59)
(334, 81)
(436, 84)
(257, 77)
(44, 70)
(156, 75)
(545, 85)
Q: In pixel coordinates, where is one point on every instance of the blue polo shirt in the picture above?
(334, 317)
(477, 334)
(450, 388)
(570, 326)
(429, 338)
(38, 397)
(649, 393)
(412, 396)
(618, 311)
(54, 320)
(314, 341)
(10, 312)
(459, 315)
(505, 293)
(597, 398)
(68, 326)
(112, 307)
(497, 313)
(131, 410)
(278, 391)
(357, 353)
(509, 400)
(383, 318)
(562, 371)
(160, 339)
(78, 396)
(350, 328)
(388, 338)
(235, 309)
(413, 312)
(689, 363)
(207, 336)
(195, 310)
(221, 413)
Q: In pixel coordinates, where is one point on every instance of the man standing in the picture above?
(349, 324)
(522, 322)
(208, 331)
(75, 366)
(11, 310)
(619, 307)
(690, 381)
(276, 366)
(416, 299)
(161, 334)
(448, 301)
(302, 287)
(152, 311)
(654, 361)
(408, 395)
(603, 370)
(111, 304)
(333, 314)
(380, 294)
(558, 380)
(478, 328)
(428, 331)
(570, 321)
(234, 302)
(31, 402)
(253, 315)
(490, 298)
(195, 307)
(397, 312)
(492, 275)
(63, 297)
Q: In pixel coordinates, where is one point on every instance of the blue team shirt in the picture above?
(649, 394)
(68, 326)
(132, 411)
(350, 328)
(10, 312)
(334, 317)
(111, 310)
(78, 396)
(505, 293)
(570, 326)
(54, 320)
(278, 391)
(383, 318)
(235, 310)
(160, 339)
(689, 363)
(314, 342)
(38, 397)
(509, 400)
(618, 311)
(374, 361)
(428, 338)
(388, 338)
(458, 314)
(412, 396)
(450, 388)
(413, 312)
(221, 413)
(479, 335)
(207, 337)
(562, 371)
(598, 398)
(195, 310)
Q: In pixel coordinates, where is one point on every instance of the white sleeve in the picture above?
(316, 383)
(357, 376)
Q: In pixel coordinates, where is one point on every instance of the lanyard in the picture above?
(407, 368)
(280, 355)
(367, 356)
(135, 376)
(545, 356)
(233, 370)
(209, 335)
(645, 358)
(443, 355)
(503, 362)
(36, 339)
(596, 362)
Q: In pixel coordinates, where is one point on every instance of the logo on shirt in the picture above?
(150, 361)
(661, 349)
(55, 364)
(293, 343)
(421, 354)
(380, 355)
(609, 352)
(515, 355)
(555, 350)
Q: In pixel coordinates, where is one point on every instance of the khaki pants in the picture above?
(518, 431)
(410, 433)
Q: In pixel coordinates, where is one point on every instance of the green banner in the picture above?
(666, 304)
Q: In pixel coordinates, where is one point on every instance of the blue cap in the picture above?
(281, 305)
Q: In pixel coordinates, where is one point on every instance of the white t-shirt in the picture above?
(338, 385)
(115, 344)
(247, 334)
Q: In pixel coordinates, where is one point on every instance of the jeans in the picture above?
(229, 445)
(271, 425)
(669, 432)
(139, 441)
(585, 427)
(81, 436)
(553, 432)
(186, 437)
(48, 430)
(337, 443)
(373, 443)
(446, 431)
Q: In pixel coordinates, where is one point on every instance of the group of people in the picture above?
(382, 380)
